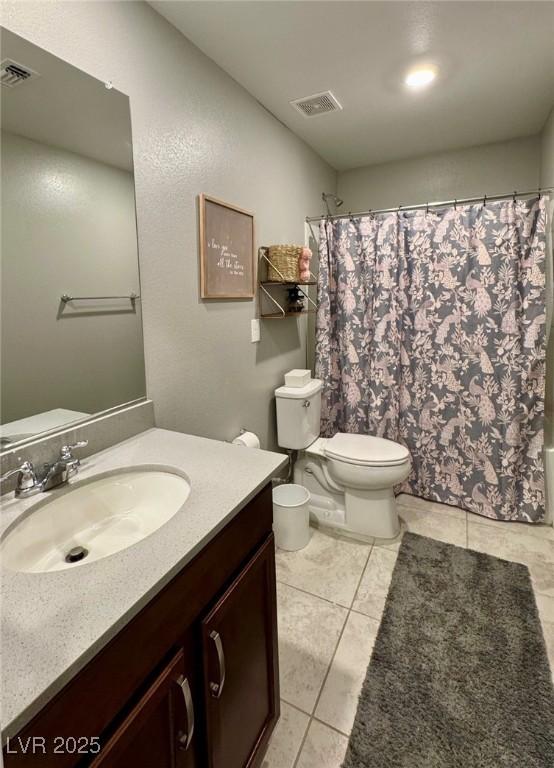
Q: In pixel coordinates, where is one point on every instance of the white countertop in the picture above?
(54, 623)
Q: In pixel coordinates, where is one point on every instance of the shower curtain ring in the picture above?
(455, 205)
(514, 197)
(484, 201)
(540, 193)
(427, 209)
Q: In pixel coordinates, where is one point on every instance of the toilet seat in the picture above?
(317, 448)
(366, 450)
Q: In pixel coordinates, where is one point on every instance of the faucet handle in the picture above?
(66, 451)
(26, 478)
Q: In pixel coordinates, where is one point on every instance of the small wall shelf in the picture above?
(287, 282)
(280, 315)
(268, 295)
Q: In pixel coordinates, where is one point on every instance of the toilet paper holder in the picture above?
(247, 439)
(241, 432)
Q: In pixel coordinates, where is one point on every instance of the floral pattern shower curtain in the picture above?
(431, 331)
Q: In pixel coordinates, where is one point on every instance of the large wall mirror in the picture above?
(71, 327)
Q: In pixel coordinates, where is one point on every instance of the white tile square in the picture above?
(323, 748)
(424, 505)
(374, 586)
(528, 529)
(329, 566)
(339, 699)
(309, 629)
(286, 738)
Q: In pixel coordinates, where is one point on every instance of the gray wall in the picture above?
(547, 153)
(490, 168)
(194, 130)
(68, 226)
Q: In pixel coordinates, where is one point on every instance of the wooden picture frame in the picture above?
(227, 264)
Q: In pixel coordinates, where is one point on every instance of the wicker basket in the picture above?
(283, 258)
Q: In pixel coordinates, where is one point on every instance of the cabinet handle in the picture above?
(216, 689)
(184, 738)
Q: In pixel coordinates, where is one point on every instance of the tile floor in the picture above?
(330, 599)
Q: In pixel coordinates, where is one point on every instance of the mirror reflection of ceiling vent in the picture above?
(12, 73)
(318, 104)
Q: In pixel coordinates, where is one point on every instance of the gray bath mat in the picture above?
(459, 676)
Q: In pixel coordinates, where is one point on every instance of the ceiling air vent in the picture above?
(12, 73)
(318, 104)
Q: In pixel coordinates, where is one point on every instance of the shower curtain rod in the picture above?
(425, 206)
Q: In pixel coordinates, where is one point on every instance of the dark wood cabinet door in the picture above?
(241, 688)
(160, 730)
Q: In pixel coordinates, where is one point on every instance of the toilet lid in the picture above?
(366, 450)
(299, 393)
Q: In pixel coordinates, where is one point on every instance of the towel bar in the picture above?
(65, 298)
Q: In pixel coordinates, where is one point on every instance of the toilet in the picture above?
(350, 477)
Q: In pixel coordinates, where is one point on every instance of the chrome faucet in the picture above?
(26, 479)
(31, 481)
(72, 463)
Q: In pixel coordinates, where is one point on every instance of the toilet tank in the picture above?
(298, 414)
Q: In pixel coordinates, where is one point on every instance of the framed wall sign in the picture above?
(226, 251)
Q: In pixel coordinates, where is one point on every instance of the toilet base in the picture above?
(362, 514)
(372, 512)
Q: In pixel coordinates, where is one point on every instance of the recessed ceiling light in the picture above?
(419, 78)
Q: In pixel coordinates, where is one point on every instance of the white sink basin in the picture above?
(103, 515)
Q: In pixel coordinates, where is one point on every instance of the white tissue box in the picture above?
(297, 378)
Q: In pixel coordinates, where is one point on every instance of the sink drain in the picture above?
(76, 554)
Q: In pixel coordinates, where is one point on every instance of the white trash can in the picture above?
(291, 516)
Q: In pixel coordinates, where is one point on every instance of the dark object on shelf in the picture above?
(295, 299)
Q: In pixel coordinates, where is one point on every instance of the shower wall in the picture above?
(490, 168)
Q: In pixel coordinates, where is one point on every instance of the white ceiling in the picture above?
(496, 62)
(65, 107)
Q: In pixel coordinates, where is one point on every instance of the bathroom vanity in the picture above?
(188, 675)
(138, 598)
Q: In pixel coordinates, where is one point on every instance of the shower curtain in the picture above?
(431, 331)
